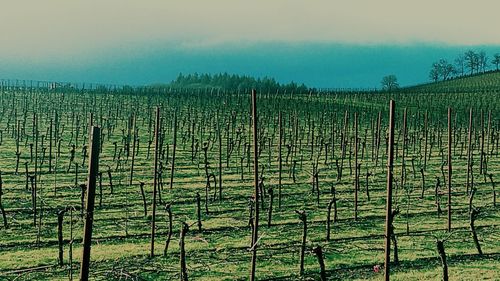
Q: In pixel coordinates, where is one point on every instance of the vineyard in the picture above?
(322, 183)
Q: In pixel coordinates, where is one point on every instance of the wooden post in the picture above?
(488, 133)
(481, 161)
(449, 168)
(89, 209)
(328, 218)
(303, 218)
(18, 154)
(378, 138)
(493, 189)
(70, 251)
(50, 146)
(356, 166)
(134, 143)
(280, 161)
(2, 210)
(343, 145)
(469, 151)
(390, 159)
(60, 217)
(403, 148)
(256, 186)
(155, 180)
(34, 183)
(270, 209)
(426, 134)
(220, 158)
(173, 151)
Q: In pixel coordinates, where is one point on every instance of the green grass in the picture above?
(121, 236)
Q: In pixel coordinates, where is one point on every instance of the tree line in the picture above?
(469, 63)
(225, 81)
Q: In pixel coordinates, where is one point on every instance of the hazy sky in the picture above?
(137, 42)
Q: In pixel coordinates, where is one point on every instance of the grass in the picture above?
(121, 236)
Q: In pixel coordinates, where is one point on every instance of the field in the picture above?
(323, 136)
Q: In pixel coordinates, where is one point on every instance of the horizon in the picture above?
(128, 43)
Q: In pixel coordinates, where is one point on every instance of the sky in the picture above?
(322, 43)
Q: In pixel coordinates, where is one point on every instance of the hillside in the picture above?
(489, 81)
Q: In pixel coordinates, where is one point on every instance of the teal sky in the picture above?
(323, 43)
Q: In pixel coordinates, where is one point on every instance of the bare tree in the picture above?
(441, 69)
(445, 69)
(471, 59)
(482, 61)
(390, 82)
(496, 60)
(460, 65)
(434, 73)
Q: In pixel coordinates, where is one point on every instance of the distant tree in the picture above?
(474, 62)
(390, 82)
(434, 73)
(482, 61)
(460, 65)
(471, 61)
(205, 79)
(496, 60)
(441, 69)
(302, 88)
(445, 69)
(227, 81)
